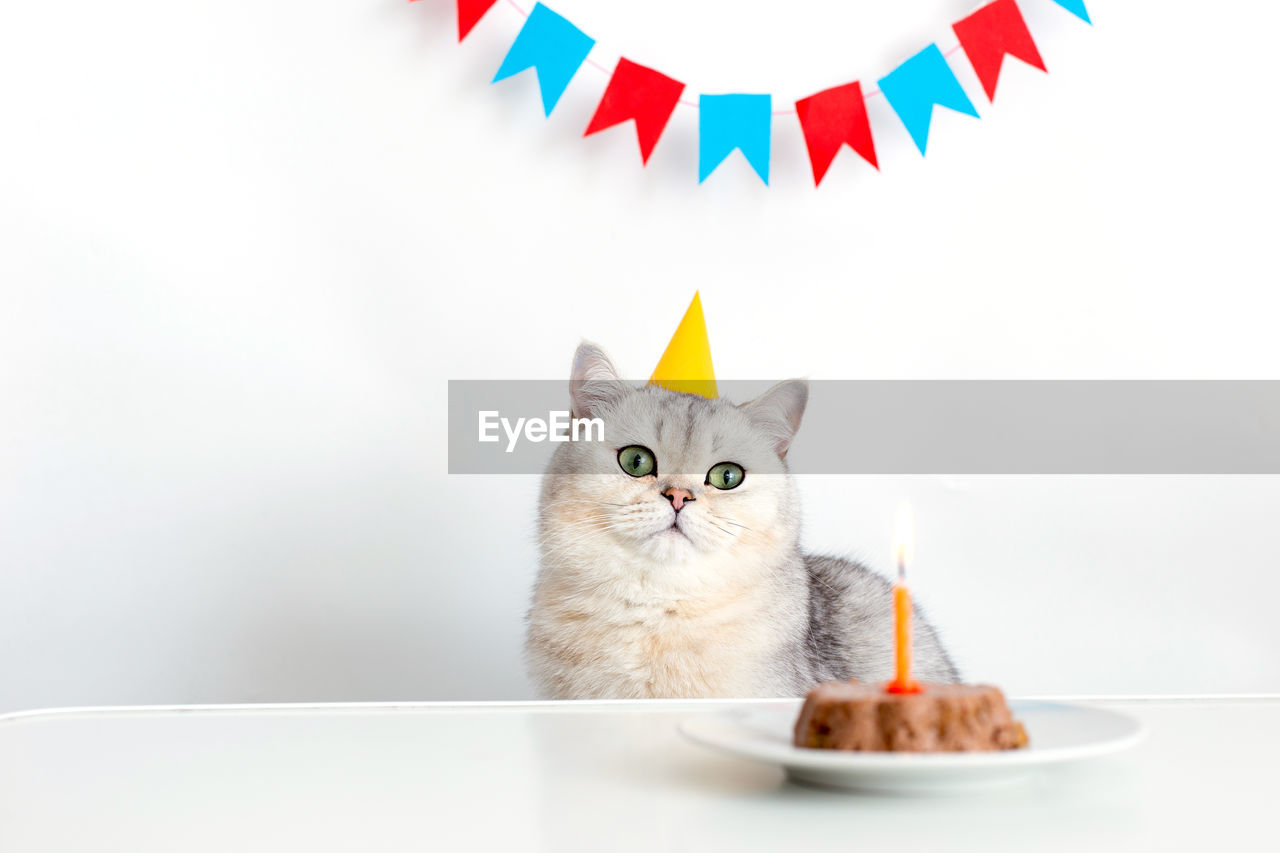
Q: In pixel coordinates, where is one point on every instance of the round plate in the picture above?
(1059, 733)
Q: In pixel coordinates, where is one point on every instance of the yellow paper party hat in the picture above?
(686, 365)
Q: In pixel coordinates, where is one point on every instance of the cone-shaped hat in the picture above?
(686, 365)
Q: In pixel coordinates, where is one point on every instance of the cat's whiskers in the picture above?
(572, 501)
(573, 534)
(729, 521)
(579, 531)
(724, 530)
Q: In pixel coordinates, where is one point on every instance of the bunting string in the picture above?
(555, 50)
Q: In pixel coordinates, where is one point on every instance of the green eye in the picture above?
(726, 475)
(637, 461)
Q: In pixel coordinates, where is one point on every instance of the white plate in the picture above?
(1059, 733)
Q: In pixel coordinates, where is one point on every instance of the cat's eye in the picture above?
(726, 475)
(637, 461)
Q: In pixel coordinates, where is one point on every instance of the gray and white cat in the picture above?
(671, 563)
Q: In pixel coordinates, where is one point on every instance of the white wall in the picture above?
(246, 244)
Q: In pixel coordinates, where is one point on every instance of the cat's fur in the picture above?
(635, 600)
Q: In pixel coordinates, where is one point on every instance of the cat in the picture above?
(670, 557)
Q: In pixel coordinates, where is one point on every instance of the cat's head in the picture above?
(679, 478)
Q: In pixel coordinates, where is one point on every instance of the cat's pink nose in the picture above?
(678, 497)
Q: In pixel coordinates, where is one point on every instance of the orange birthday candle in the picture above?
(903, 544)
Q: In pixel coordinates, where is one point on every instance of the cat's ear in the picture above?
(778, 412)
(594, 382)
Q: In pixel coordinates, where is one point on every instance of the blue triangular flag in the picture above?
(727, 122)
(915, 86)
(551, 46)
(1075, 7)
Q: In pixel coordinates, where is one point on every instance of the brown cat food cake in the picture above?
(943, 718)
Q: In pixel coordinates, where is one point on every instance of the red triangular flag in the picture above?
(991, 32)
(832, 119)
(636, 92)
(469, 14)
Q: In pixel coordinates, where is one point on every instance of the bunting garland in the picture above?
(832, 119)
(916, 86)
(640, 94)
(469, 14)
(555, 50)
(553, 47)
(728, 122)
(991, 33)
(1075, 7)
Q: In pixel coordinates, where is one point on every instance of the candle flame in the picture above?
(904, 544)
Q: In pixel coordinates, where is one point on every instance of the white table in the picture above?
(593, 776)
